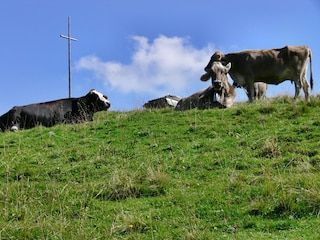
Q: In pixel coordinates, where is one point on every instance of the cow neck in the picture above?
(85, 106)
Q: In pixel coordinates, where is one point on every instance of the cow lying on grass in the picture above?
(69, 110)
(163, 102)
(220, 83)
(203, 99)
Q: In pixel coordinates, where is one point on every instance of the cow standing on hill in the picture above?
(271, 66)
(69, 110)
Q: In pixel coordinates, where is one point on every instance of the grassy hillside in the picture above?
(248, 172)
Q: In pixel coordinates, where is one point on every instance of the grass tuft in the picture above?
(124, 184)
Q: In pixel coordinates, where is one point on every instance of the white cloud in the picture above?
(162, 66)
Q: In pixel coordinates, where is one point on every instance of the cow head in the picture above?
(219, 75)
(98, 100)
(216, 57)
(221, 84)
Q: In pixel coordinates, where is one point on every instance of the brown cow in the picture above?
(260, 90)
(220, 83)
(203, 99)
(271, 66)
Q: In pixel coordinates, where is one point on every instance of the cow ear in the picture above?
(205, 77)
(228, 66)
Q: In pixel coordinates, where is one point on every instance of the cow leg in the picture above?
(306, 91)
(263, 90)
(251, 91)
(256, 91)
(297, 86)
(305, 86)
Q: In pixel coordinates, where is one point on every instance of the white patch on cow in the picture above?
(101, 97)
(14, 128)
(228, 101)
(172, 102)
(219, 65)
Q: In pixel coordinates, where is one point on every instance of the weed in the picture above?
(270, 148)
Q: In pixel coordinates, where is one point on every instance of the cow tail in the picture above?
(311, 77)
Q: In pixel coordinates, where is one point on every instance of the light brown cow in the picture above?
(220, 83)
(260, 90)
(271, 66)
(203, 99)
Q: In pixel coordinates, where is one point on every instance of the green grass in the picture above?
(248, 172)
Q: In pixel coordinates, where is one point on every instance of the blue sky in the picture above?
(134, 51)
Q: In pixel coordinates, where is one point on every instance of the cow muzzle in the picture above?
(217, 84)
(107, 104)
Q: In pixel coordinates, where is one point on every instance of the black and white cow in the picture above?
(69, 110)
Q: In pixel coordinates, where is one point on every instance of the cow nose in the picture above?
(217, 83)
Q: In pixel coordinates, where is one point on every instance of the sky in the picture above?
(135, 51)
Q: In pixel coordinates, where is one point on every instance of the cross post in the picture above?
(69, 53)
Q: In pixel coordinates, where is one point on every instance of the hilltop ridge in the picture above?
(247, 172)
